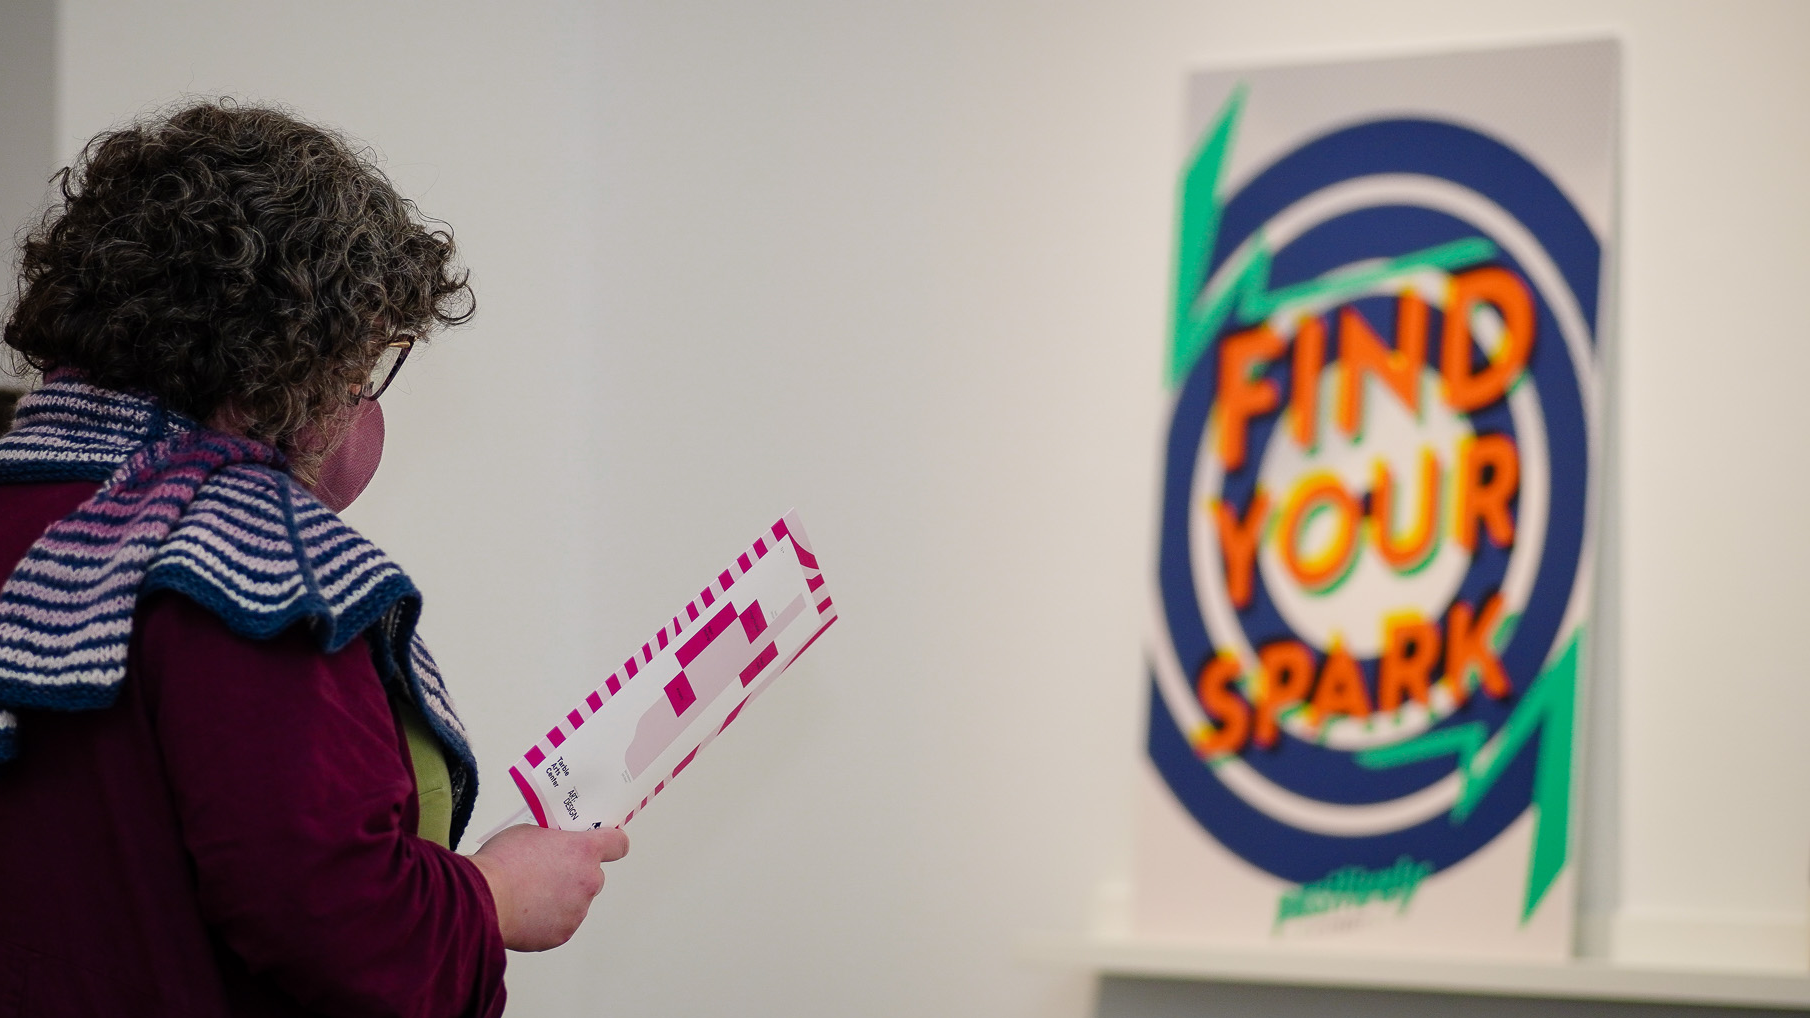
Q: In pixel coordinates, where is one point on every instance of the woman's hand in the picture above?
(543, 880)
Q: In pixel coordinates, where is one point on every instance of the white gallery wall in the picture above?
(28, 44)
(904, 267)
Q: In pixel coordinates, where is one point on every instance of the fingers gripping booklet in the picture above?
(628, 738)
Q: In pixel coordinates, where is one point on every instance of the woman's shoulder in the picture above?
(259, 551)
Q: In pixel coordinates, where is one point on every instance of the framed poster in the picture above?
(1374, 574)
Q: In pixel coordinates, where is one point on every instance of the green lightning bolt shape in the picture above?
(1240, 291)
(1549, 707)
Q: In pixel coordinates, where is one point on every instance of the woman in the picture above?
(230, 777)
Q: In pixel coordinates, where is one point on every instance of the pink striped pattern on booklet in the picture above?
(628, 738)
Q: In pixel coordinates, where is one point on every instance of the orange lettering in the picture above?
(1467, 644)
(1304, 399)
(1242, 395)
(1238, 544)
(1288, 673)
(1361, 353)
(1465, 391)
(1341, 687)
(1489, 475)
(1223, 705)
(1319, 490)
(1410, 650)
(1405, 553)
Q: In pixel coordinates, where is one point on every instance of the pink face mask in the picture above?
(349, 466)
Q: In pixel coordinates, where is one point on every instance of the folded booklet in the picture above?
(628, 738)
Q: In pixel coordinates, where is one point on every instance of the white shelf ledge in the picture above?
(1578, 980)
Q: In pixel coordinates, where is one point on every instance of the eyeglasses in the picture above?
(388, 363)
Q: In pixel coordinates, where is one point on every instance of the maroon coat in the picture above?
(234, 836)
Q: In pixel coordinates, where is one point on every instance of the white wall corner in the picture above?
(1595, 933)
(1776, 941)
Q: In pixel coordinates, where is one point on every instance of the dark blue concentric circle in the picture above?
(1516, 185)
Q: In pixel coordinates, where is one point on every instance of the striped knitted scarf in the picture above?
(211, 516)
